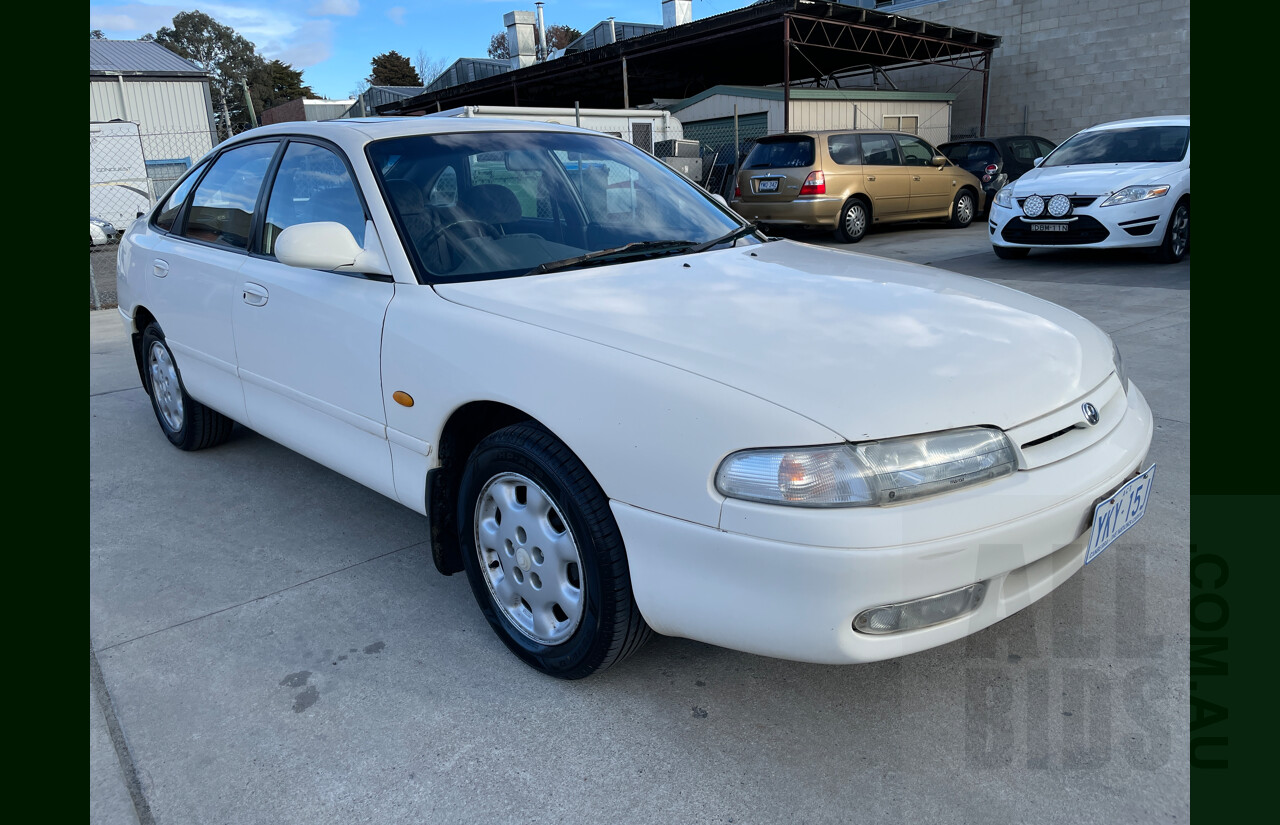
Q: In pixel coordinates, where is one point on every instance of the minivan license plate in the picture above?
(768, 186)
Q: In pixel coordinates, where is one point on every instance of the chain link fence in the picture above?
(129, 171)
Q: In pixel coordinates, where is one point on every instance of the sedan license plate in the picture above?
(768, 186)
(1116, 514)
(1049, 227)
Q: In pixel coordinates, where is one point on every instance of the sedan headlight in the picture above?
(870, 473)
(1005, 197)
(1119, 362)
(1133, 194)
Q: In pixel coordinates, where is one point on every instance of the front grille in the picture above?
(1051, 436)
(1082, 230)
(1077, 201)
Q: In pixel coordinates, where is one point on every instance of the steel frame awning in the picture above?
(783, 43)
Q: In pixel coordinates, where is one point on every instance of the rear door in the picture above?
(886, 180)
(777, 167)
(194, 273)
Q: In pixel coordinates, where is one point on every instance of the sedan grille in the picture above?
(1081, 229)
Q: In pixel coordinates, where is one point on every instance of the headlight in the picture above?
(870, 473)
(1132, 194)
(1119, 362)
(1005, 197)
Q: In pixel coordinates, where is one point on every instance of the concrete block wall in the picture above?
(1070, 63)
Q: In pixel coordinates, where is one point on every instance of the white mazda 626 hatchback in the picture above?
(621, 408)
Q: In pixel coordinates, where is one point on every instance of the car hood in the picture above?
(1089, 178)
(866, 346)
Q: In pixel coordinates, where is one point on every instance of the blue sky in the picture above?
(332, 41)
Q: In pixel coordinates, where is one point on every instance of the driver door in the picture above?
(309, 342)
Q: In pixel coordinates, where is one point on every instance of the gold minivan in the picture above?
(848, 180)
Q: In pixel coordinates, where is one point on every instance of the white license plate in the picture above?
(1049, 227)
(768, 186)
(1114, 515)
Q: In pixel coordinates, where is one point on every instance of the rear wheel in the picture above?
(963, 210)
(544, 555)
(188, 424)
(1010, 253)
(1177, 236)
(854, 219)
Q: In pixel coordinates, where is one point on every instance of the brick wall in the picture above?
(1070, 63)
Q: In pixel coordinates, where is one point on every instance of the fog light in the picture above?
(926, 612)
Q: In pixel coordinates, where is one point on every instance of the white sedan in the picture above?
(623, 410)
(1116, 185)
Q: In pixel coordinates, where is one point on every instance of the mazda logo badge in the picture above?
(1090, 413)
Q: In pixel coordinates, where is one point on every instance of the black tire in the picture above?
(608, 626)
(193, 426)
(855, 220)
(963, 209)
(1177, 235)
(1010, 253)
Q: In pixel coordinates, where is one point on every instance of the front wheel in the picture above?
(188, 424)
(963, 210)
(544, 555)
(1177, 236)
(1010, 253)
(854, 219)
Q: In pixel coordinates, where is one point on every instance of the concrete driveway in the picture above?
(269, 642)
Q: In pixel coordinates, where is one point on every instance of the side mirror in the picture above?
(139, 215)
(1037, 161)
(329, 245)
(938, 160)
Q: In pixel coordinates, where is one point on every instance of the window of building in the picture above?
(903, 123)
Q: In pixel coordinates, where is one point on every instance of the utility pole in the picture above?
(248, 102)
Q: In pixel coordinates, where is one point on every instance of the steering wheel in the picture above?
(475, 229)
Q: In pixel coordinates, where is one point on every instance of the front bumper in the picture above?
(1129, 225)
(816, 210)
(798, 601)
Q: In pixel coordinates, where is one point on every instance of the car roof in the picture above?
(367, 129)
(1165, 120)
(824, 132)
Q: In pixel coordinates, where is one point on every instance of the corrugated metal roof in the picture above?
(137, 57)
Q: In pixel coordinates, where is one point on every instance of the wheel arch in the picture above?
(142, 318)
(466, 426)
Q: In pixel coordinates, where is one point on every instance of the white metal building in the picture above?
(708, 116)
(168, 97)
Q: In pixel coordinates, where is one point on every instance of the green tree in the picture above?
(394, 69)
(226, 55)
(559, 36)
(498, 47)
(272, 83)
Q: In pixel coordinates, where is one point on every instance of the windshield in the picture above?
(481, 205)
(1138, 144)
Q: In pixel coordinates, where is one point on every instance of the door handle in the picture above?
(255, 295)
(159, 268)
(871, 177)
(915, 177)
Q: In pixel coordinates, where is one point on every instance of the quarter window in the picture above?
(222, 206)
(312, 185)
(844, 149)
(879, 150)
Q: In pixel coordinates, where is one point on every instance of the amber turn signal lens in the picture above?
(404, 399)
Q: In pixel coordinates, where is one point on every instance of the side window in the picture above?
(222, 206)
(1023, 150)
(445, 190)
(844, 149)
(879, 150)
(173, 204)
(311, 185)
(915, 152)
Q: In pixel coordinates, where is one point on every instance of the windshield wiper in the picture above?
(636, 249)
(726, 238)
